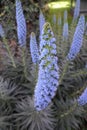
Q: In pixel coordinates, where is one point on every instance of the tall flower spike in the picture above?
(34, 48)
(65, 26)
(76, 10)
(82, 100)
(41, 21)
(48, 75)
(21, 24)
(2, 33)
(59, 20)
(77, 39)
(65, 31)
(54, 19)
(65, 16)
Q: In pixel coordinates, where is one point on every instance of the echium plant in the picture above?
(48, 74)
(76, 10)
(65, 27)
(56, 100)
(77, 39)
(41, 21)
(59, 20)
(21, 24)
(21, 31)
(54, 19)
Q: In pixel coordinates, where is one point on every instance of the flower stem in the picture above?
(24, 62)
(9, 52)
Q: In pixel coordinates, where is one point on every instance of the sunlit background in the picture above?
(58, 5)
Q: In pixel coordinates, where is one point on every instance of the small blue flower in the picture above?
(34, 48)
(82, 100)
(77, 39)
(2, 33)
(41, 21)
(21, 24)
(76, 10)
(48, 75)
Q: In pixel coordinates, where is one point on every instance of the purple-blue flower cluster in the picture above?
(76, 10)
(34, 48)
(48, 75)
(2, 33)
(77, 39)
(41, 21)
(21, 24)
(82, 100)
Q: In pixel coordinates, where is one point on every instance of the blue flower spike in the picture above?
(54, 19)
(59, 20)
(65, 16)
(2, 33)
(82, 100)
(41, 21)
(65, 31)
(76, 10)
(34, 48)
(77, 39)
(21, 24)
(65, 26)
(48, 75)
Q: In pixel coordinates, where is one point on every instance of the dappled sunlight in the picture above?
(59, 4)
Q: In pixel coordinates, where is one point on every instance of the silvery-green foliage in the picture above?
(2, 33)
(28, 118)
(7, 90)
(66, 113)
(34, 48)
(77, 39)
(82, 100)
(41, 21)
(21, 24)
(48, 74)
(7, 99)
(76, 10)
